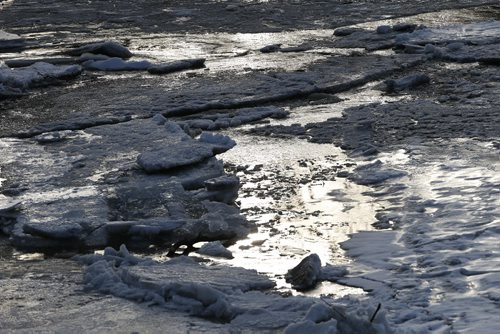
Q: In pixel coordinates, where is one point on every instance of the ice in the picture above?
(184, 151)
(199, 290)
(38, 74)
(408, 82)
(475, 42)
(240, 117)
(83, 189)
(201, 93)
(474, 33)
(438, 263)
(374, 173)
(10, 41)
(177, 66)
(108, 48)
(117, 64)
(383, 37)
(221, 189)
(229, 295)
(460, 52)
(332, 273)
(24, 62)
(180, 154)
(215, 248)
(92, 57)
(308, 326)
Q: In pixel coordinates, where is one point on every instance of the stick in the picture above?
(375, 313)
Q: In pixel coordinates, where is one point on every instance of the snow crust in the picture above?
(215, 248)
(72, 193)
(38, 74)
(117, 64)
(10, 41)
(226, 294)
(107, 48)
(438, 264)
(177, 66)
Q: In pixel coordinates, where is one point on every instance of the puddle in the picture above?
(291, 190)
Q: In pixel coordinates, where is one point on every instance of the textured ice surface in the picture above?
(38, 74)
(226, 294)
(234, 119)
(473, 33)
(215, 248)
(117, 64)
(10, 41)
(177, 66)
(383, 38)
(84, 188)
(108, 48)
(477, 42)
(374, 173)
(181, 154)
(439, 265)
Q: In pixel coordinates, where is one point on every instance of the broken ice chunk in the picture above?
(10, 41)
(319, 319)
(407, 82)
(221, 189)
(90, 56)
(270, 48)
(374, 173)
(117, 64)
(219, 143)
(177, 66)
(38, 74)
(215, 248)
(176, 155)
(108, 48)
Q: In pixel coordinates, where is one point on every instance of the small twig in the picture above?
(375, 313)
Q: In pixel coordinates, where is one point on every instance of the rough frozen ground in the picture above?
(10, 41)
(431, 159)
(101, 102)
(227, 294)
(467, 43)
(32, 298)
(89, 189)
(110, 18)
(425, 319)
(477, 42)
(38, 74)
(436, 267)
(460, 101)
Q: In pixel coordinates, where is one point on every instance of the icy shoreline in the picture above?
(412, 106)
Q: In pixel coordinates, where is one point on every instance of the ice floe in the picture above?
(77, 194)
(117, 64)
(107, 48)
(10, 41)
(231, 295)
(38, 74)
(177, 66)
